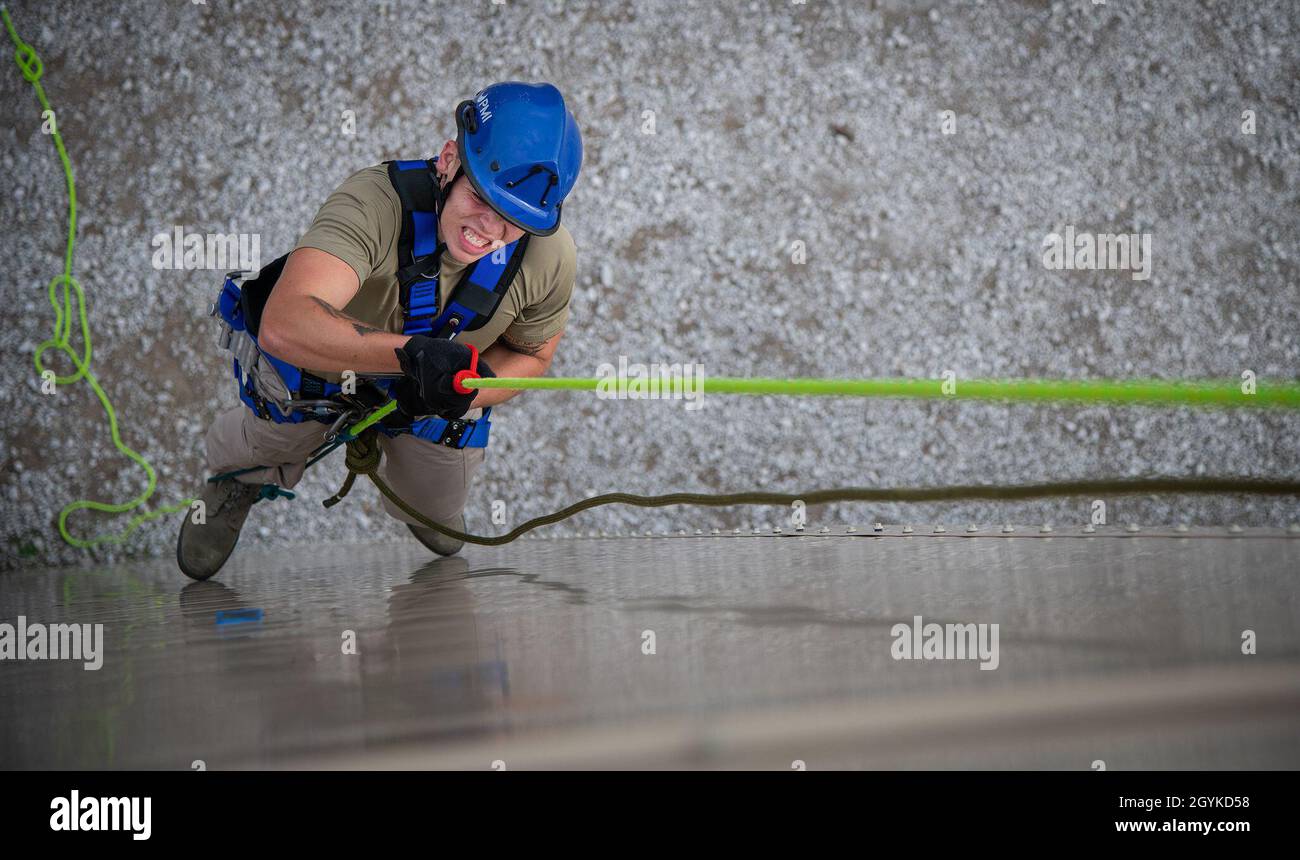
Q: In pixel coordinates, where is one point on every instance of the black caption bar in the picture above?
(188, 809)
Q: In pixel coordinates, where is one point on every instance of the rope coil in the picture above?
(362, 458)
(29, 63)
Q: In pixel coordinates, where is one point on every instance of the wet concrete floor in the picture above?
(754, 651)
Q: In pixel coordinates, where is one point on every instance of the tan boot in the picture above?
(438, 542)
(201, 550)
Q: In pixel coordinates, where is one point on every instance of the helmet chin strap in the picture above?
(444, 190)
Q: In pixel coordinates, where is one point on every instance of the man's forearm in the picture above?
(316, 335)
(506, 362)
(313, 334)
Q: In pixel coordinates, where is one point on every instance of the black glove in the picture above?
(431, 366)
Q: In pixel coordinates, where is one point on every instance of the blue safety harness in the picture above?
(278, 391)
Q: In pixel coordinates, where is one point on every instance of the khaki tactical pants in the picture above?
(433, 479)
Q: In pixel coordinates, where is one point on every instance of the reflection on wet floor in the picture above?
(766, 650)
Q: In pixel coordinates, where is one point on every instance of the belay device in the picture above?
(280, 392)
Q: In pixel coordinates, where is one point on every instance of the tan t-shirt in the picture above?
(360, 223)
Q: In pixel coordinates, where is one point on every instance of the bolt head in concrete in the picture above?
(940, 530)
(1045, 529)
(1090, 529)
(907, 530)
(1007, 529)
(1132, 528)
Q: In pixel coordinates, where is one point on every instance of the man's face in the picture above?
(471, 228)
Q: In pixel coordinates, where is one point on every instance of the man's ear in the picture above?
(448, 162)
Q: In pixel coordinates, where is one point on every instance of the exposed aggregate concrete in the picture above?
(774, 122)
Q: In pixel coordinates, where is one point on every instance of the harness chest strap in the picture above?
(482, 286)
(484, 282)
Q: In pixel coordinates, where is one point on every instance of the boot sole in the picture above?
(181, 564)
(430, 546)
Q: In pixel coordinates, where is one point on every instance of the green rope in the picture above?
(32, 68)
(1141, 392)
(365, 423)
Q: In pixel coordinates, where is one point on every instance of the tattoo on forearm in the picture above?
(359, 327)
(522, 347)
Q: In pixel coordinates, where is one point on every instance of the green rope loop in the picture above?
(31, 67)
(28, 62)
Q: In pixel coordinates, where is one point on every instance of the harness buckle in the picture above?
(449, 328)
(455, 431)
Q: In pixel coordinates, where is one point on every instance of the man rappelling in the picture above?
(413, 276)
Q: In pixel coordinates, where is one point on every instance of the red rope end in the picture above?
(469, 373)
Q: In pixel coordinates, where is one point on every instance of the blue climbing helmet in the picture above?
(520, 147)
